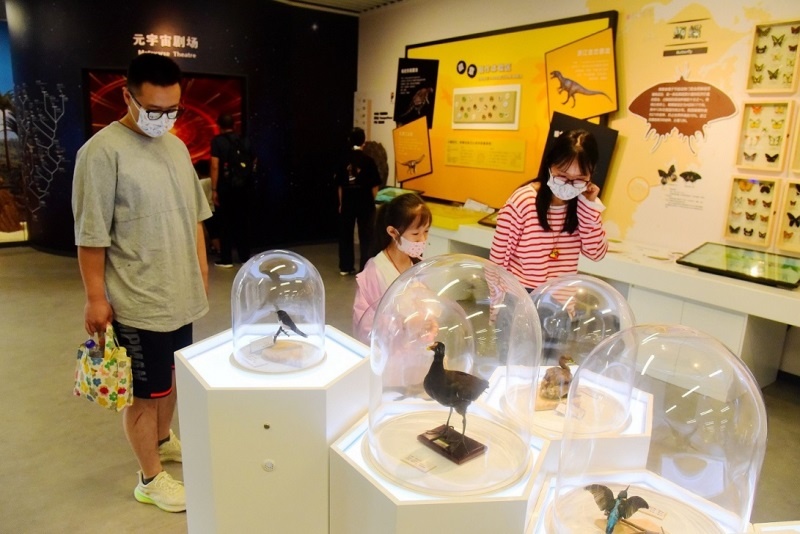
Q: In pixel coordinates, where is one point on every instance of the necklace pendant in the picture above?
(554, 254)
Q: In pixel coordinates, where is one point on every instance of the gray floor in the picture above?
(65, 465)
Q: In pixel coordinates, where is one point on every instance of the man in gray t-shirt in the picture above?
(138, 209)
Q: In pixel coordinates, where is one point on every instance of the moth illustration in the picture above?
(679, 32)
(795, 29)
(763, 32)
(778, 41)
(773, 74)
(755, 110)
(758, 68)
(734, 230)
(765, 188)
(777, 57)
(771, 158)
(751, 202)
(750, 157)
(752, 140)
(690, 176)
(777, 124)
(797, 189)
(761, 49)
(764, 218)
(787, 235)
(745, 185)
(793, 203)
(737, 202)
(793, 48)
(750, 216)
(668, 175)
(793, 220)
(736, 213)
(762, 235)
(780, 110)
(787, 78)
(748, 232)
(775, 140)
(695, 30)
(767, 204)
(755, 123)
(757, 79)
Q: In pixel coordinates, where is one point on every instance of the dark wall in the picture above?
(300, 69)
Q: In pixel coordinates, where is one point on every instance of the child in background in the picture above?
(401, 232)
(548, 223)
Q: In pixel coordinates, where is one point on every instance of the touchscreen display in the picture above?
(753, 265)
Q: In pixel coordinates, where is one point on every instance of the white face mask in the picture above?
(564, 191)
(415, 249)
(153, 128)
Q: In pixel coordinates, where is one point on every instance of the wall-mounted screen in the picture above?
(204, 96)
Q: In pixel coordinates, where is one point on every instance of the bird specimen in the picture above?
(556, 381)
(455, 389)
(618, 509)
(286, 321)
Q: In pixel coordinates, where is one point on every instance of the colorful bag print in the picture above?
(104, 377)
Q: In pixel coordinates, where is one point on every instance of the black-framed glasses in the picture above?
(154, 115)
(574, 182)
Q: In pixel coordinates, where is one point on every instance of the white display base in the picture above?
(683, 511)
(364, 501)
(255, 445)
(783, 527)
(632, 435)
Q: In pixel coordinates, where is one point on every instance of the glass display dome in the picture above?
(452, 337)
(278, 313)
(577, 312)
(695, 461)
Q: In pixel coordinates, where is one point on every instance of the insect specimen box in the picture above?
(773, 58)
(763, 135)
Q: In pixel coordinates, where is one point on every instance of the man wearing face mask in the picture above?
(138, 208)
(548, 223)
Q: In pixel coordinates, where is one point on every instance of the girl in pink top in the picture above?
(548, 223)
(401, 232)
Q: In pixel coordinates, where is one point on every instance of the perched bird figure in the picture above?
(286, 321)
(556, 381)
(455, 389)
(616, 509)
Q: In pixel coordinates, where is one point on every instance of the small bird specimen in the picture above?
(286, 321)
(556, 381)
(618, 509)
(455, 389)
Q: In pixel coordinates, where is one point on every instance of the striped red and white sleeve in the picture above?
(510, 223)
(594, 243)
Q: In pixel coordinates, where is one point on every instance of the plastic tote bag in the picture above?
(104, 376)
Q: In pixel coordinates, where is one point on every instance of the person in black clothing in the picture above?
(230, 200)
(357, 183)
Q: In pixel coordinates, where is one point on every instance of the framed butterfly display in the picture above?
(764, 135)
(773, 58)
(788, 228)
(795, 163)
(751, 213)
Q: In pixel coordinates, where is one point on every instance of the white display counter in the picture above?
(256, 445)
(365, 502)
(749, 318)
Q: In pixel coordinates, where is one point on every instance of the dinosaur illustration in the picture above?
(412, 164)
(416, 108)
(573, 88)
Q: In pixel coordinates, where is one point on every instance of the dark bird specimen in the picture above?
(286, 321)
(455, 389)
(556, 381)
(617, 509)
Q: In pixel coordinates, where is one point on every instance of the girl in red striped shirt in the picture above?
(546, 224)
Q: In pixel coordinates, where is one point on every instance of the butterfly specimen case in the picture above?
(788, 228)
(773, 59)
(752, 209)
(763, 135)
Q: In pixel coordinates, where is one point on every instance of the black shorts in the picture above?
(152, 357)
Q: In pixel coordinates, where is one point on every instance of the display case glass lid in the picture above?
(278, 313)
(451, 336)
(706, 432)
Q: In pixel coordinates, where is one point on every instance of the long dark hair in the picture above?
(570, 146)
(401, 212)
